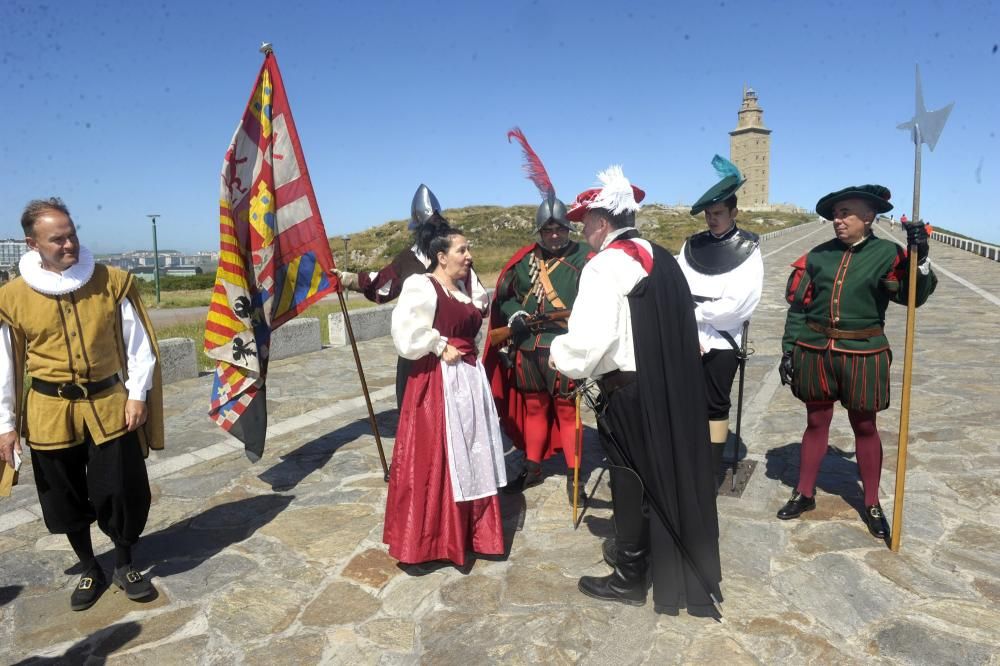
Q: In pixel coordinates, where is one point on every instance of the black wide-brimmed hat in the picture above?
(731, 181)
(876, 195)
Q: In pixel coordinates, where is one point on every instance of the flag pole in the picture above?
(911, 322)
(925, 127)
(364, 384)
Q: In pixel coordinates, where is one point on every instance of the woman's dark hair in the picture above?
(433, 237)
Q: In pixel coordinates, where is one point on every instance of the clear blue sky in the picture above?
(126, 108)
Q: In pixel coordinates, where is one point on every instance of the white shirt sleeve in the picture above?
(593, 324)
(139, 351)
(7, 385)
(413, 332)
(480, 297)
(739, 298)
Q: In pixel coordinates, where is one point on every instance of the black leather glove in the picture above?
(916, 234)
(519, 328)
(785, 368)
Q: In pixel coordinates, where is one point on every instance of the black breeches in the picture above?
(87, 482)
(720, 366)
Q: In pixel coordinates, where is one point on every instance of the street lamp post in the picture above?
(346, 240)
(156, 258)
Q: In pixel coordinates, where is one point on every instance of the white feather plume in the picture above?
(616, 193)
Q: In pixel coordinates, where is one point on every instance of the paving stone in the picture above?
(46, 619)
(246, 613)
(340, 603)
(916, 576)
(738, 558)
(151, 628)
(668, 647)
(186, 579)
(543, 637)
(716, 650)
(187, 651)
(972, 619)
(36, 571)
(472, 593)
(390, 633)
(373, 567)
(842, 593)
(324, 533)
(538, 585)
(303, 648)
(408, 596)
(909, 642)
(989, 589)
(191, 486)
(832, 536)
(783, 641)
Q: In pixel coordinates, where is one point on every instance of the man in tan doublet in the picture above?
(78, 332)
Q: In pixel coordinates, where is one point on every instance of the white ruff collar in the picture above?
(56, 284)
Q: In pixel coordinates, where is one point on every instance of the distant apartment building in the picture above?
(172, 262)
(11, 251)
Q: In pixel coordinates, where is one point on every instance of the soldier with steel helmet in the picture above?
(385, 285)
(540, 279)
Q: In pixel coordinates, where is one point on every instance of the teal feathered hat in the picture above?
(731, 180)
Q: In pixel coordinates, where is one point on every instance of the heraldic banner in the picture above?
(274, 256)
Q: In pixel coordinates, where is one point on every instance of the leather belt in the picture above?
(72, 390)
(615, 380)
(841, 334)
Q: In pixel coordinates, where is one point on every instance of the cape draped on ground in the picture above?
(675, 459)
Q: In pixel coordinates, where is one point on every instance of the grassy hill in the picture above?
(495, 232)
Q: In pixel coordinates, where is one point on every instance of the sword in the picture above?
(584, 390)
(739, 400)
(577, 454)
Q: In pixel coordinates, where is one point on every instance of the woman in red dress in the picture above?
(447, 462)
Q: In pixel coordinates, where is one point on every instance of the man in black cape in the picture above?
(633, 328)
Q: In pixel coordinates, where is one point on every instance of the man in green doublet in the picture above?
(834, 346)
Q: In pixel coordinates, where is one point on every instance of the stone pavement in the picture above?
(281, 562)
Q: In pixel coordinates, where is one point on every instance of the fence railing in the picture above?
(991, 252)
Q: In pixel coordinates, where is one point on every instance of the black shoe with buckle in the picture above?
(875, 520)
(89, 589)
(132, 582)
(796, 506)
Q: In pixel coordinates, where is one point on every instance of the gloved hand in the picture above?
(348, 279)
(916, 234)
(785, 368)
(519, 327)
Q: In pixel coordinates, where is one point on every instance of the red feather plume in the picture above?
(533, 166)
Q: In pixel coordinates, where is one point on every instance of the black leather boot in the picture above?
(610, 551)
(531, 475)
(717, 473)
(796, 506)
(626, 584)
